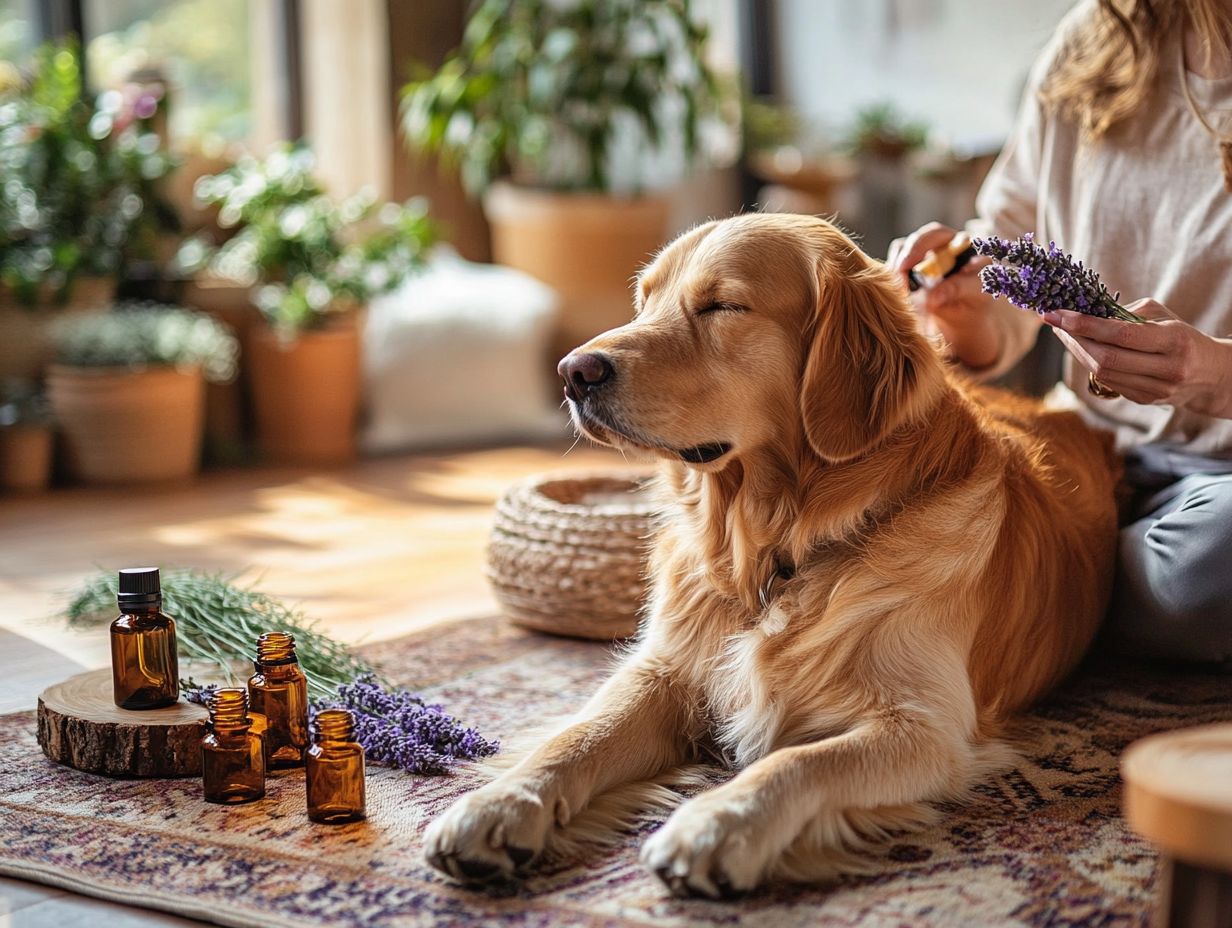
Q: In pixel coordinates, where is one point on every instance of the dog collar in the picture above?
(769, 590)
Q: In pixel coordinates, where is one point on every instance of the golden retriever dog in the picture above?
(867, 566)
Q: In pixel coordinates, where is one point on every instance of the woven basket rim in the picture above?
(556, 492)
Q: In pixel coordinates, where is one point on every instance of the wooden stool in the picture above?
(1178, 795)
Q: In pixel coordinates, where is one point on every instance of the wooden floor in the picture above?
(373, 552)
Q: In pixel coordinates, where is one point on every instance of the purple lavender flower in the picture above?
(398, 728)
(1040, 279)
(197, 692)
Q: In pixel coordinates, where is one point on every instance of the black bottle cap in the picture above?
(140, 586)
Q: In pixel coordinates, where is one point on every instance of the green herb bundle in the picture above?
(218, 622)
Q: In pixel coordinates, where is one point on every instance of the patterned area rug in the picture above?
(1043, 845)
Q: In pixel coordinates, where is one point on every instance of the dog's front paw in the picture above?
(489, 834)
(711, 846)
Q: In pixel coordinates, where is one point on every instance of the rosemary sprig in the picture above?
(218, 622)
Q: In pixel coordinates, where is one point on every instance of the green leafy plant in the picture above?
(879, 129)
(79, 194)
(218, 621)
(146, 335)
(308, 257)
(541, 89)
(768, 124)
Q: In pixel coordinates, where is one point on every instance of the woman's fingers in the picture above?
(956, 293)
(1140, 389)
(1152, 310)
(1108, 361)
(1156, 338)
(907, 252)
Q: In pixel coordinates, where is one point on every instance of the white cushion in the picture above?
(459, 355)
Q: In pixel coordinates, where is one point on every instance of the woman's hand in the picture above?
(1163, 362)
(957, 306)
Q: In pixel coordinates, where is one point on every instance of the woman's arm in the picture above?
(1163, 362)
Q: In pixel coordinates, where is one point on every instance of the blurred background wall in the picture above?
(957, 64)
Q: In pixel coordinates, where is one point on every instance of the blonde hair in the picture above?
(1108, 65)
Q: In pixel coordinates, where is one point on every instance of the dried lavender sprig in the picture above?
(1039, 279)
(199, 693)
(396, 727)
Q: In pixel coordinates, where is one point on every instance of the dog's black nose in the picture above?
(583, 372)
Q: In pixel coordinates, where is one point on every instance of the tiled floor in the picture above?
(373, 551)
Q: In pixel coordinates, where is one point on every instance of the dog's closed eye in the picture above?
(721, 306)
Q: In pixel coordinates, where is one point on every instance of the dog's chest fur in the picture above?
(756, 692)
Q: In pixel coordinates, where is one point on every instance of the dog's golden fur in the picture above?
(952, 550)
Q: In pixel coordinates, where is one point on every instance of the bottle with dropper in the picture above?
(145, 671)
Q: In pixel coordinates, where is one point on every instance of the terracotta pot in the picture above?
(305, 393)
(129, 426)
(25, 344)
(25, 458)
(585, 246)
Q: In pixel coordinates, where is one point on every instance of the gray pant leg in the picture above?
(1172, 597)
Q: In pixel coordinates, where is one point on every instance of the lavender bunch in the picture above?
(398, 728)
(1032, 277)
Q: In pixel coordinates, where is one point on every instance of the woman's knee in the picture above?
(1174, 595)
(1189, 552)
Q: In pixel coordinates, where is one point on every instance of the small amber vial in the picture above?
(232, 758)
(334, 770)
(145, 671)
(279, 691)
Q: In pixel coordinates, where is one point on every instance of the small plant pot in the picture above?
(129, 426)
(305, 393)
(25, 458)
(585, 246)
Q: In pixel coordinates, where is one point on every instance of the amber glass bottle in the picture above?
(258, 724)
(279, 691)
(334, 770)
(145, 672)
(232, 759)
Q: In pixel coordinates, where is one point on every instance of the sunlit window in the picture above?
(201, 48)
(16, 30)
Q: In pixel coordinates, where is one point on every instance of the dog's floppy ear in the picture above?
(868, 369)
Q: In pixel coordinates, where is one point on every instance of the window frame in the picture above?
(64, 19)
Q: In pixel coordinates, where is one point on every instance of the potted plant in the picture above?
(313, 264)
(553, 111)
(881, 140)
(78, 200)
(25, 439)
(802, 171)
(128, 390)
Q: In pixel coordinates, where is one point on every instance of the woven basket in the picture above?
(568, 554)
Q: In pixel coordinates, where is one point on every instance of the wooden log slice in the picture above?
(80, 725)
